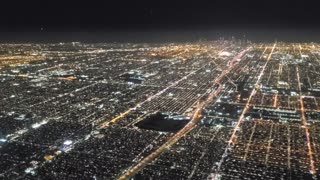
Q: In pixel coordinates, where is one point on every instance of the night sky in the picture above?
(127, 17)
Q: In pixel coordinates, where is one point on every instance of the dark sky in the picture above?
(121, 14)
(128, 16)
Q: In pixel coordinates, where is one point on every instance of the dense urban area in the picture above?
(225, 109)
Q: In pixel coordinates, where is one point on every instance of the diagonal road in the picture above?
(246, 108)
(194, 120)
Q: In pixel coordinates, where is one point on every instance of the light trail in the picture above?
(139, 157)
(65, 94)
(247, 106)
(233, 62)
(249, 143)
(316, 103)
(115, 119)
(140, 118)
(105, 124)
(275, 100)
(304, 122)
(289, 147)
(194, 120)
(300, 48)
(269, 145)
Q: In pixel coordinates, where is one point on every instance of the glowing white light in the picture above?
(3, 140)
(225, 53)
(101, 106)
(37, 125)
(22, 131)
(87, 137)
(67, 142)
(29, 170)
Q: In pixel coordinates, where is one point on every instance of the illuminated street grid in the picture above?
(68, 112)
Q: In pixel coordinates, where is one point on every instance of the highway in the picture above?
(105, 124)
(253, 111)
(246, 108)
(304, 122)
(195, 119)
(192, 123)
